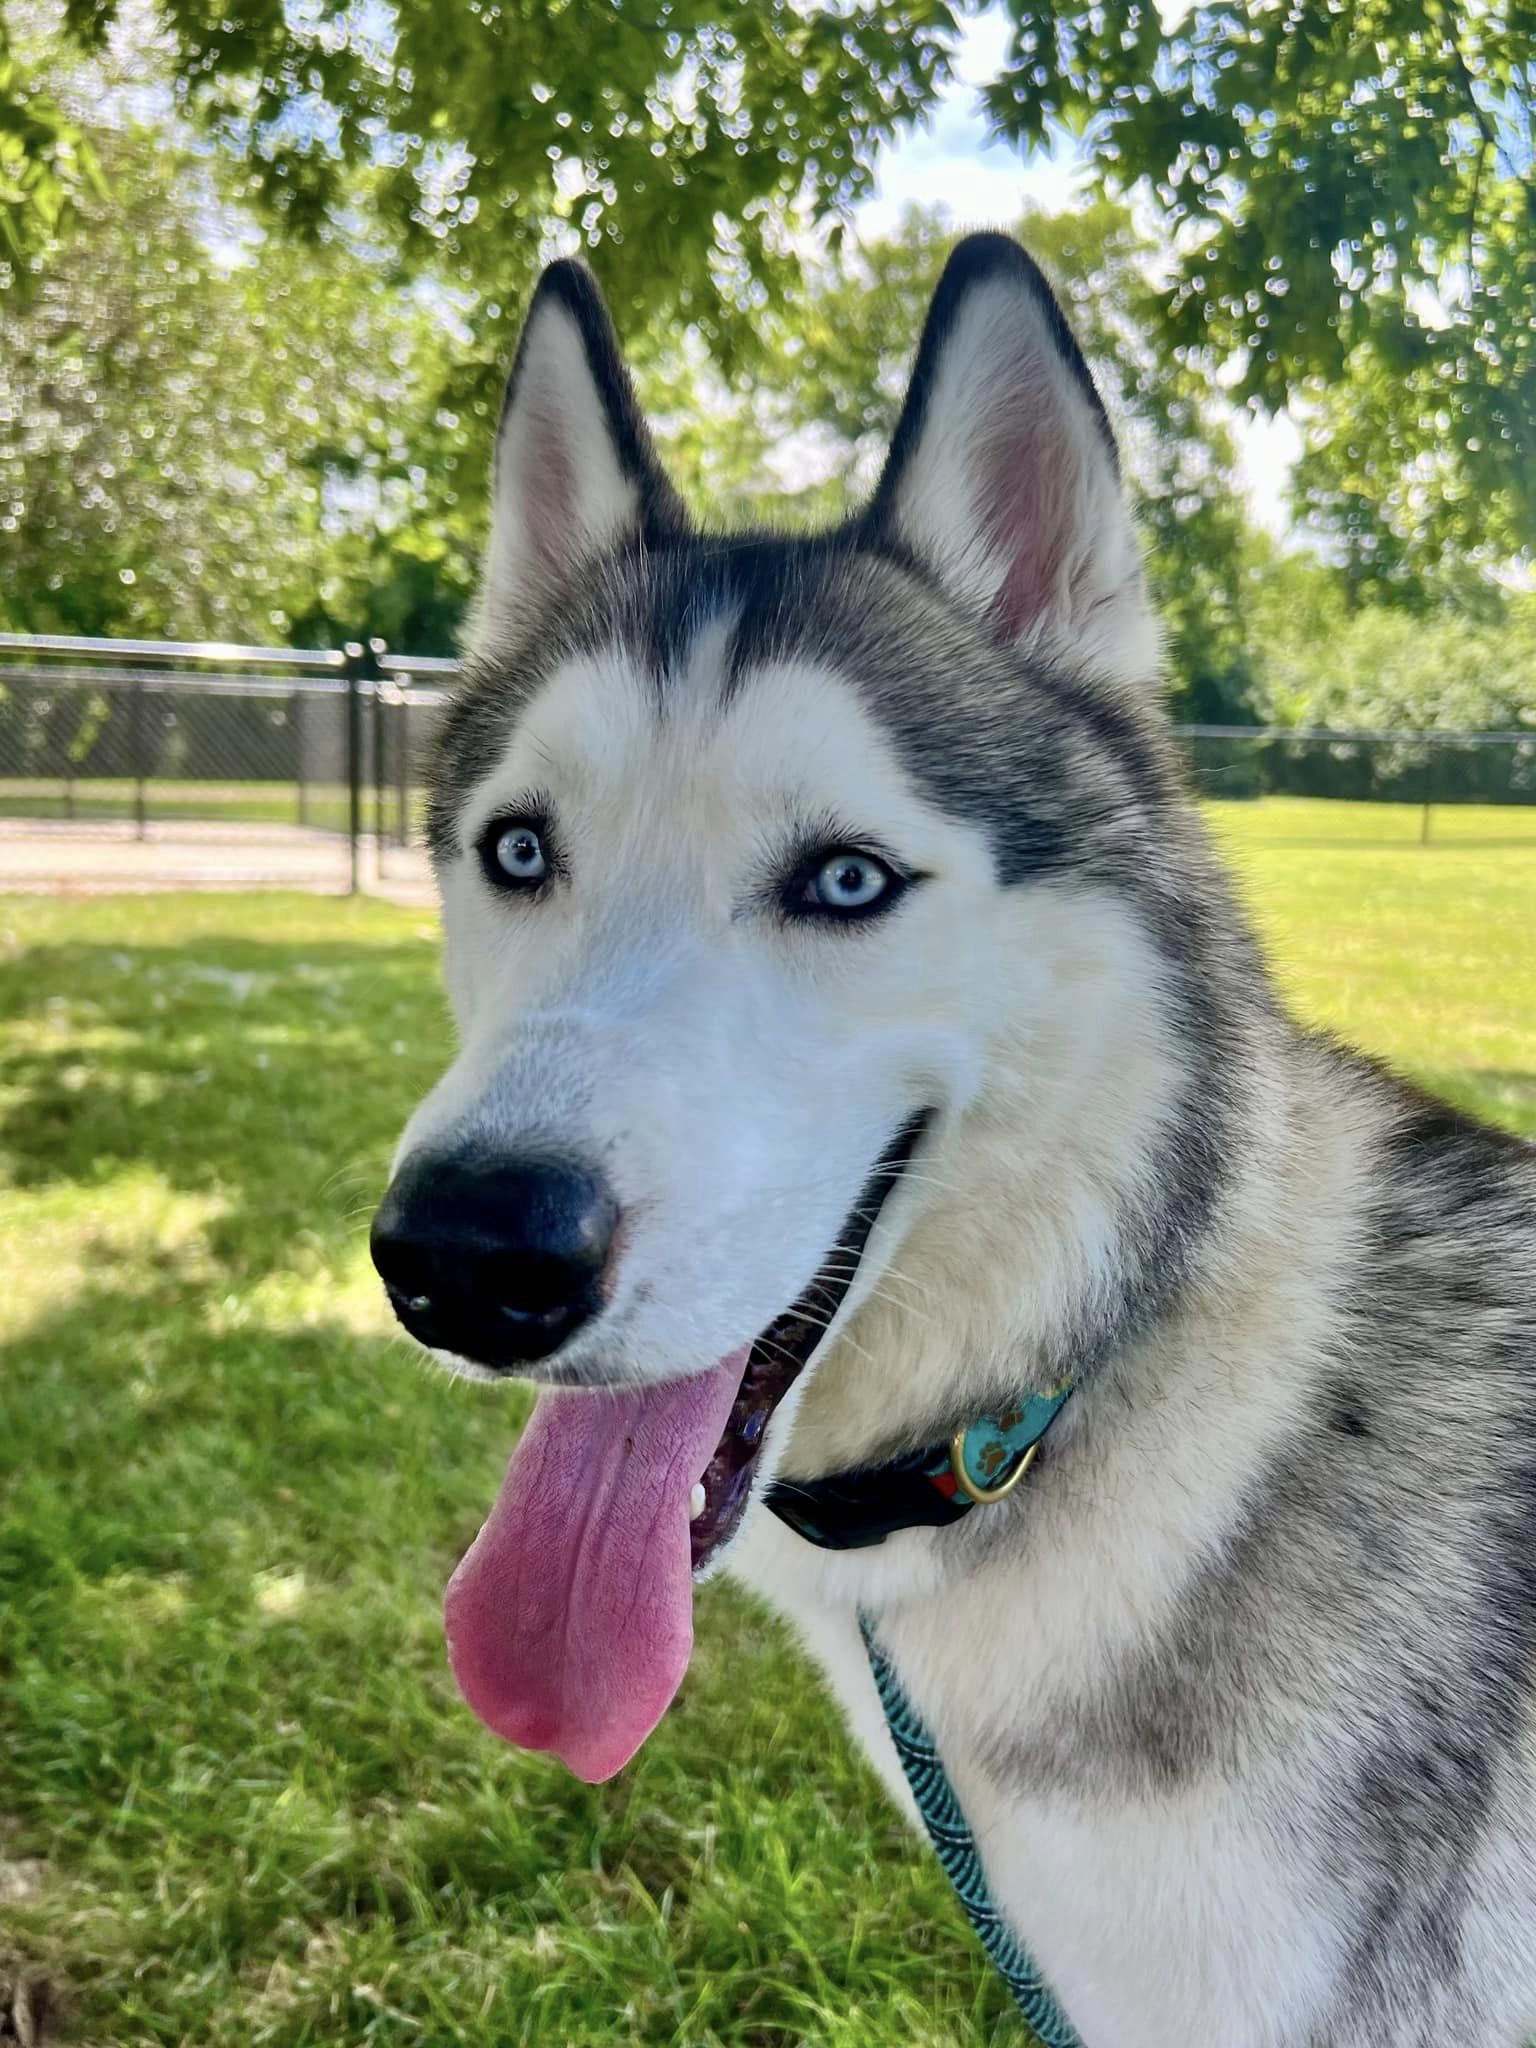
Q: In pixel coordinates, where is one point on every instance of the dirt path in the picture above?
(57, 857)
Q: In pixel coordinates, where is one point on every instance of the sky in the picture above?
(952, 163)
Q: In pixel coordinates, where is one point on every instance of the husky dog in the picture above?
(857, 1036)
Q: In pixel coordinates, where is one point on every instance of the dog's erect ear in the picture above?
(1003, 477)
(575, 473)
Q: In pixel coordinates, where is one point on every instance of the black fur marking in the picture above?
(1348, 1413)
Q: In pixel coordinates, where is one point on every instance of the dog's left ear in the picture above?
(1003, 478)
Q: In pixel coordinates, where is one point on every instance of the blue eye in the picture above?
(850, 881)
(514, 856)
(846, 883)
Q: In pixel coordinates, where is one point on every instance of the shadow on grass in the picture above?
(221, 1579)
(272, 1076)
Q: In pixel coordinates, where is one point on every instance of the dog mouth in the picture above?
(570, 1619)
(780, 1354)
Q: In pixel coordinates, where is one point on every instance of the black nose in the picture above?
(495, 1260)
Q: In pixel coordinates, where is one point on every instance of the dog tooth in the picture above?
(696, 1501)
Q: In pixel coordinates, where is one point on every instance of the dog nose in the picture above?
(499, 1261)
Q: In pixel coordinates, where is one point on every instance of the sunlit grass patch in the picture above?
(1422, 954)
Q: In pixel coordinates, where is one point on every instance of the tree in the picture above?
(678, 140)
(45, 164)
(212, 445)
(1391, 497)
(1378, 668)
(1351, 197)
(244, 439)
(1348, 190)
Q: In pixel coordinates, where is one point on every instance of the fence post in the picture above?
(1428, 791)
(300, 736)
(377, 649)
(136, 742)
(353, 670)
(403, 767)
(378, 780)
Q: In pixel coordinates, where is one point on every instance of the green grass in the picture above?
(238, 1797)
(1423, 955)
(1320, 822)
(98, 798)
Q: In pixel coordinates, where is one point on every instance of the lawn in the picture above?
(98, 798)
(239, 1801)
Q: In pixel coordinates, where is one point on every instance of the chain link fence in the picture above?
(149, 764)
(148, 761)
(1412, 778)
(1320, 785)
(412, 691)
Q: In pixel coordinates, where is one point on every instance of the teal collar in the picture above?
(979, 1465)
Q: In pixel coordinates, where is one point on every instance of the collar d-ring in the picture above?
(972, 1488)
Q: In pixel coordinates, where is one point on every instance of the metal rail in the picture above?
(419, 664)
(178, 650)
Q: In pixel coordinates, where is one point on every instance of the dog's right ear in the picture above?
(575, 474)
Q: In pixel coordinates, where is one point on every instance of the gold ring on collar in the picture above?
(983, 1496)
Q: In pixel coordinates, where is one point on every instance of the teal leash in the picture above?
(955, 1847)
(979, 1465)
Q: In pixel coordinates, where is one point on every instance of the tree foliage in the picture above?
(45, 164)
(1347, 192)
(1352, 198)
(1386, 485)
(676, 138)
(218, 438)
(1322, 659)
(276, 419)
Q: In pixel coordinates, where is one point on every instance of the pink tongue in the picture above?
(570, 1622)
